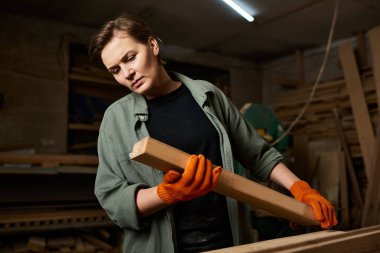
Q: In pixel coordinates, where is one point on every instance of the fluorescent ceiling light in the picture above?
(239, 10)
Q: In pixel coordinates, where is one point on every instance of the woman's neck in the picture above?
(164, 85)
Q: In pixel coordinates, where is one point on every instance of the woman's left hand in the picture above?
(323, 210)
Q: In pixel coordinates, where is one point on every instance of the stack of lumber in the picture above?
(318, 121)
(98, 241)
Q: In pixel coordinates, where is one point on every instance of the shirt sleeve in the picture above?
(248, 147)
(115, 194)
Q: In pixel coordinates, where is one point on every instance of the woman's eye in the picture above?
(115, 71)
(130, 58)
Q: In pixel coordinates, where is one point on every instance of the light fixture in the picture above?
(239, 10)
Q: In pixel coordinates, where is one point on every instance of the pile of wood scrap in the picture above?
(94, 241)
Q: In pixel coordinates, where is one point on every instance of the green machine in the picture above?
(267, 124)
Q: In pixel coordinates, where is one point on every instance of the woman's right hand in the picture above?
(198, 179)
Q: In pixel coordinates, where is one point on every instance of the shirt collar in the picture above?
(196, 87)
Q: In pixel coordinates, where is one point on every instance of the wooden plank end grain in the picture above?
(164, 157)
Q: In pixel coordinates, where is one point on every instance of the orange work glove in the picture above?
(198, 179)
(323, 210)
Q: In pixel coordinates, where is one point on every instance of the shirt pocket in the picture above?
(136, 172)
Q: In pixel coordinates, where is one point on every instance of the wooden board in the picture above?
(358, 102)
(164, 157)
(363, 240)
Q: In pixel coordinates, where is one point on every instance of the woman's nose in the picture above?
(127, 72)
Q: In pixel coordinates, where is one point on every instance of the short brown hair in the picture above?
(125, 23)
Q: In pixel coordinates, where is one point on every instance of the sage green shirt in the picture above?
(118, 178)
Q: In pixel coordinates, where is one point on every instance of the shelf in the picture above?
(39, 170)
(81, 146)
(52, 220)
(48, 160)
(84, 127)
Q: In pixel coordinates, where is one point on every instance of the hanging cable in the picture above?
(321, 70)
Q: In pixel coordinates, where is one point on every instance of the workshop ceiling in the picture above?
(280, 26)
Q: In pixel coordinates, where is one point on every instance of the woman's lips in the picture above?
(137, 83)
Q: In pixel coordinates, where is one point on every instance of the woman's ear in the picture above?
(154, 45)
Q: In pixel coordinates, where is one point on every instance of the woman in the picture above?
(173, 212)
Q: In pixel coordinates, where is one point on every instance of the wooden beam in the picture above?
(358, 102)
(374, 41)
(363, 240)
(164, 157)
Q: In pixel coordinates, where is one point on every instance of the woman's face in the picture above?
(133, 64)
